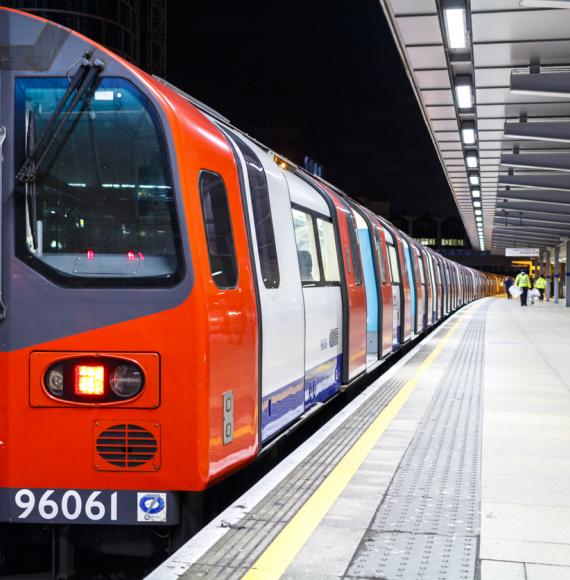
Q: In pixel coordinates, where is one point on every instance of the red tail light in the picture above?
(89, 380)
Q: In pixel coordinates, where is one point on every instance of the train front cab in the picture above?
(146, 265)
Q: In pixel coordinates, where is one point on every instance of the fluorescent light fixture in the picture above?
(478, 212)
(545, 3)
(473, 178)
(456, 27)
(464, 92)
(478, 218)
(468, 132)
(471, 159)
(476, 192)
(476, 203)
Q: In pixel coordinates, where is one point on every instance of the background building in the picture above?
(135, 29)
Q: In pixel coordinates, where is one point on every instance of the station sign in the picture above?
(526, 252)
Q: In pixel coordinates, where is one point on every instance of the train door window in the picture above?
(393, 264)
(354, 249)
(378, 247)
(421, 267)
(306, 247)
(263, 222)
(219, 235)
(328, 249)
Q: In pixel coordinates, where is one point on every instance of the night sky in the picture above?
(320, 78)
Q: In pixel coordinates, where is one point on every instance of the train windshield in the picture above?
(102, 203)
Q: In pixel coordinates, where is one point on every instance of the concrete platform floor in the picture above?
(525, 496)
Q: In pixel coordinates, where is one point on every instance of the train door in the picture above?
(433, 283)
(318, 262)
(411, 286)
(371, 287)
(389, 316)
(423, 285)
(354, 292)
(397, 291)
(279, 288)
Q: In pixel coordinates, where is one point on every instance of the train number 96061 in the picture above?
(71, 505)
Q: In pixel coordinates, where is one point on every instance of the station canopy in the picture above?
(492, 78)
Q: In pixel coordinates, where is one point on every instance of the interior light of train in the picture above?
(456, 27)
(464, 92)
(468, 133)
(473, 178)
(471, 159)
(89, 380)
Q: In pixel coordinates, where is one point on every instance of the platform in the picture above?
(454, 465)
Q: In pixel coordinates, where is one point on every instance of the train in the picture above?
(173, 294)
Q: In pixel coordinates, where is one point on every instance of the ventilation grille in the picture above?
(127, 446)
(333, 337)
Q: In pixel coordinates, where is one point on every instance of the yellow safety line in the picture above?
(280, 553)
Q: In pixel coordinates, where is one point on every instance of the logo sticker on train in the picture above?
(87, 506)
(151, 507)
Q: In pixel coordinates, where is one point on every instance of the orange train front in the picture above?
(173, 294)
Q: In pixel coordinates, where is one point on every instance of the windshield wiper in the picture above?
(82, 83)
(31, 204)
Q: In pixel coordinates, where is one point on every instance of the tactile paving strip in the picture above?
(241, 546)
(427, 525)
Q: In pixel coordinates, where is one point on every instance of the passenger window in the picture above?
(219, 233)
(378, 245)
(261, 216)
(329, 255)
(393, 264)
(306, 247)
(354, 249)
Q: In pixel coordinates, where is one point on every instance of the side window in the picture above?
(394, 264)
(378, 247)
(306, 246)
(354, 249)
(219, 235)
(261, 216)
(328, 248)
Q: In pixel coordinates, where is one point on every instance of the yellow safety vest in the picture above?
(523, 281)
(540, 284)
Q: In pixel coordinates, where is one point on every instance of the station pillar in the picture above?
(567, 274)
(547, 274)
(556, 273)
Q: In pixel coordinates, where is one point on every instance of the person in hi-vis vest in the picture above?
(523, 282)
(540, 285)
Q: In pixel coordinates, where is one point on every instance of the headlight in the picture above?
(126, 381)
(55, 381)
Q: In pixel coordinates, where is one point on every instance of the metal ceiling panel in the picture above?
(499, 54)
(413, 7)
(433, 79)
(520, 25)
(416, 30)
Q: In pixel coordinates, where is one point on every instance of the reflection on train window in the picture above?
(261, 216)
(393, 264)
(219, 233)
(102, 203)
(354, 249)
(306, 246)
(328, 248)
